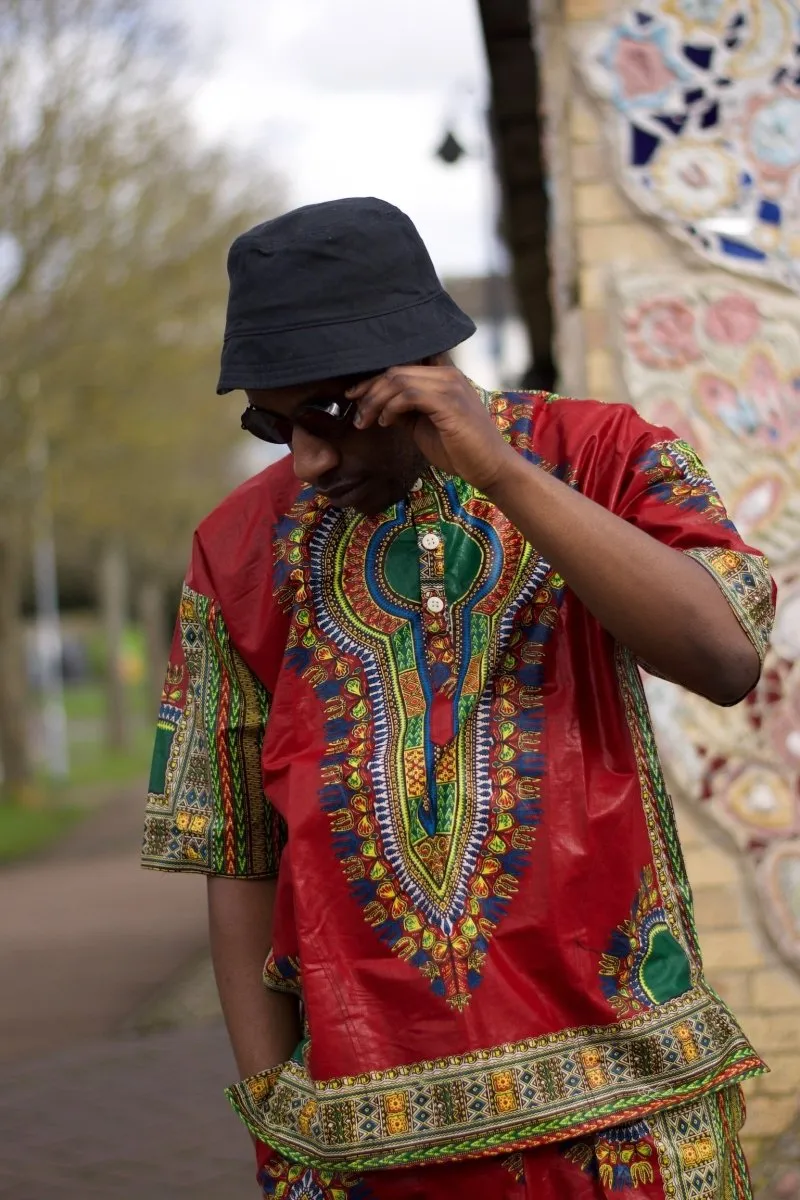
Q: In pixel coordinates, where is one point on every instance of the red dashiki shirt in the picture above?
(449, 766)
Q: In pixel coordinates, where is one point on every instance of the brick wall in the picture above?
(747, 972)
(593, 227)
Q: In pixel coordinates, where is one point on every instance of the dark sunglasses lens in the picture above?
(267, 426)
(321, 425)
(329, 421)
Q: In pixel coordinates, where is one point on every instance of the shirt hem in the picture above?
(504, 1098)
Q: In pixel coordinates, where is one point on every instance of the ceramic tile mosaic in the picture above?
(718, 361)
(702, 104)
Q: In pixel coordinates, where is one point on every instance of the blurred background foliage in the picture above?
(114, 225)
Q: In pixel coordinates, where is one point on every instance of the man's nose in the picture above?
(313, 457)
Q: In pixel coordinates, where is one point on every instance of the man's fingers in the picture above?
(423, 399)
(358, 389)
(370, 403)
(406, 402)
(431, 375)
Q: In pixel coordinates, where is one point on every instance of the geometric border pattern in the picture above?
(504, 1098)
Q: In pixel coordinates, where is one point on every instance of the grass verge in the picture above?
(31, 822)
(24, 830)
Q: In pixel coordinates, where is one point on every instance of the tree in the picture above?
(115, 223)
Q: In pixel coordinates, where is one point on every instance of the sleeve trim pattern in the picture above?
(206, 808)
(746, 582)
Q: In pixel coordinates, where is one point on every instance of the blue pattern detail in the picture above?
(738, 249)
(643, 146)
(731, 85)
(677, 476)
(700, 56)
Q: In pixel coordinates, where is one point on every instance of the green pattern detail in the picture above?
(463, 558)
(209, 813)
(210, 708)
(396, 653)
(401, 565)
(665, 970)
(158, 768)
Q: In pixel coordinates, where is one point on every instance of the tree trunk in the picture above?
(151, 616)
(15, 756)
(113, 605)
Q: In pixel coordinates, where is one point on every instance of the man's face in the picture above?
(366, 470)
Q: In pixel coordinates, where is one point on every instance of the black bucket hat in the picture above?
(333, 289)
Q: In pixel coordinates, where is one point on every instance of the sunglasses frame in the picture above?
(326, 419)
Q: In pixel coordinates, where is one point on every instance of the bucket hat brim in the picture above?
(274, 359)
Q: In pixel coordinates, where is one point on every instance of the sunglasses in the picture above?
(328, 419)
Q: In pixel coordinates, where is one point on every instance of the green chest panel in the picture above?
(463, 563)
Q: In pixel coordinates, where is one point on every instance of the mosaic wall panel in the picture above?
(703, 108)
(718, 360)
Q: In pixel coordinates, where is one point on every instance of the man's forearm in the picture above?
(264, 1026)
(655, 600)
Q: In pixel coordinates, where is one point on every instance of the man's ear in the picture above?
(437, 360)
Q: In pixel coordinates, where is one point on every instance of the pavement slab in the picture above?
(89, 1107)
(134, 1118)
(85, 943)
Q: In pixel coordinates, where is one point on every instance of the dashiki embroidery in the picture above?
(281, 1180)
(747, 585)
(677, 476)
(449, 766)
(621, 1158)
(510, 1096)
(691, 1151)
(688, 1153)
(431, 788)
(645, 965)
(206, 762)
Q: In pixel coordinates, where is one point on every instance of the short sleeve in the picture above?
(206, 807)
(665, 489)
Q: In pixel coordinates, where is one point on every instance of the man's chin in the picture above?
(371, 505)
(370, 497)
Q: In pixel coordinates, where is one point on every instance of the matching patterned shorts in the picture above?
(687, 1153)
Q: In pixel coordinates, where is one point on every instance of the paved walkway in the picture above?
(86, 936)
(88, 940)
(128, 1119)
(92, 949)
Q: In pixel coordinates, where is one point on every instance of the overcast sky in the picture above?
(351, 97)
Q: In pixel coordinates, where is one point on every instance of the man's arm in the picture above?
(263, 1026)
(655, 600)
(652, 598)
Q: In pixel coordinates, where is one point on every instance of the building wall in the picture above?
(597, 236)
(749, 975)
(594, 226)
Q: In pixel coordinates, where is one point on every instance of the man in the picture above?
(404, 735)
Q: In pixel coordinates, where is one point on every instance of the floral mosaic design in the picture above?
(703, 108)
(737, 400)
